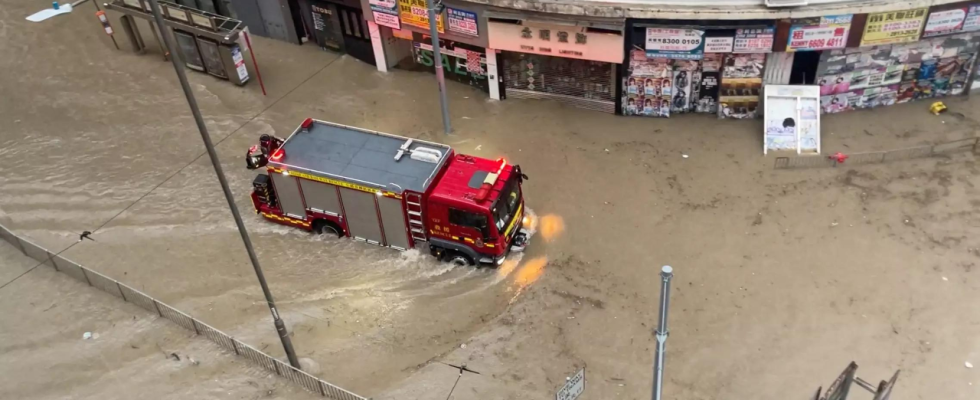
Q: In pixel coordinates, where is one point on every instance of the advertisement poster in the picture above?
(821, 33)
(741, 86)
(462, 22)
(681, 96)
(707, 101)
(719, 44)
(678, 44)
(457, 62)
(385, 13)
(754, 40)
(894, 27)
(647, 89)
(416, 13)
(945, 22)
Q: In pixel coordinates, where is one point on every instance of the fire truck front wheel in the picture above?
(456, 258)
(327, 228)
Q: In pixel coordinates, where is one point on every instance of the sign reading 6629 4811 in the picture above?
(573, 388)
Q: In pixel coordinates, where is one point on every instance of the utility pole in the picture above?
(666, 273)
(203, 129)
(436, 9)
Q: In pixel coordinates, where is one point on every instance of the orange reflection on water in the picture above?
(551, 226)
(529, 273)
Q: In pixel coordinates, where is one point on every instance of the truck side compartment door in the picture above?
(393, 219)
(362, 215)
(289, 198)
(321, 197)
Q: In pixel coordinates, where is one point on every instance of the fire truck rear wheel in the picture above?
(458, 259)
(328, 228)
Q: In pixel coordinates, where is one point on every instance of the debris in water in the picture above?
(86, 335)
(607, 150)
(175, 356)
(968, 365)
(684, 155)
(193, 361)
(462, 346)
(835, 223)
(467, 118)
(478, 147)
(945, 278)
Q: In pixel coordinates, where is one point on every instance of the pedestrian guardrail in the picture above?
(130, 295)
(877, 157)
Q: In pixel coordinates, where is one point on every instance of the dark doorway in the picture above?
(357, 39)
(804, 67)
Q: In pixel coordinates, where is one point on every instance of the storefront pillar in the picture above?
(377, 44)
(492, 76)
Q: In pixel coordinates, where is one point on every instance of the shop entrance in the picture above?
(804, 70)
(357, 39)
(582, 83)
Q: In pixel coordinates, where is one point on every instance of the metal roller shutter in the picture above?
(362, 215)
(582, 83)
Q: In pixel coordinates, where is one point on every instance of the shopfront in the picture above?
(339, 26)
(674, 68)
(576, 65)
(461, 62)
(903, 56)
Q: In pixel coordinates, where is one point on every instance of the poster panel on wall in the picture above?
(462, 22)
(945, 22)
(673, 43)
(647, 88)
(754, 40)
(719, 44)
(385, 13)
(416, 13)
(792, 118)
(820, 33)
(894, 27)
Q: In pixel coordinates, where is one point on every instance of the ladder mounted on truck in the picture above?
(413, 203)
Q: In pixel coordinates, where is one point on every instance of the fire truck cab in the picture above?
(391, 191)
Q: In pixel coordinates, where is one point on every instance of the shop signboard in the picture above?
(972, 22)
(754, 40)
(416, 13)
(556, 40)
(820, 33)
(462, 22)
(459, 64)
(894, 27)
(674, 43)
(945, 22)
(385, 13)
(719, 44)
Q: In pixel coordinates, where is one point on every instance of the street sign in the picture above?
(573, 388)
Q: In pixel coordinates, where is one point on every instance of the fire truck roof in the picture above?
(363, 156)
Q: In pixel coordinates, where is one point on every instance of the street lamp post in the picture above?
(666, 273)
(203, 129)
(436, 9)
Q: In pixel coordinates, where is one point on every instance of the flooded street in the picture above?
(781, 277)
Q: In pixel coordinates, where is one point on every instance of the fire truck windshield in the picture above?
(506, 205)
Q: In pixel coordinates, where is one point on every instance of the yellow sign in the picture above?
(416, 13)
(894, 27)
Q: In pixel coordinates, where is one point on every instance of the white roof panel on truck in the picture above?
(361, 156)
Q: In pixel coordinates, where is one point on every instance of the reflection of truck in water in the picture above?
(390, 191)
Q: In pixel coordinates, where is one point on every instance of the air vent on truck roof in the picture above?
(420, 153)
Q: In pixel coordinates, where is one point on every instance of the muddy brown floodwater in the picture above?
(782, 277)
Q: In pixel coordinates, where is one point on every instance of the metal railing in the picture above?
(128, 294)
(877, 157)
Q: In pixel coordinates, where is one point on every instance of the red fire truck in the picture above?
(391, 191)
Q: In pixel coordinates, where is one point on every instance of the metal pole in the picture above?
(202, 128)
(658, 362)
(437, 57)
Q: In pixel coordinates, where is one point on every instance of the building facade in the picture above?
(658, 58)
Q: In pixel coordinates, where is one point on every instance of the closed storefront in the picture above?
(675, 69)
(576, 65)
(461, 62)
(904, 56)
(339, 26)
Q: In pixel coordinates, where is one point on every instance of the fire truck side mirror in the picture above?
(517, 168)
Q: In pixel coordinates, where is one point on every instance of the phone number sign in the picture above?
(829, 32)
(678, 44)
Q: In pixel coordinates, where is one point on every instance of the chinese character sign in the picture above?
(385, 13)
(754, 40)
(679, 44)
(462, 22)
(894, 27)
(416, 13)
(972, 22)
(829, 32)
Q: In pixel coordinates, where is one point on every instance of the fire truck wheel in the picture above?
(328, 228)
(458, 259)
